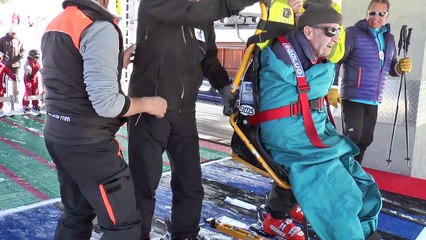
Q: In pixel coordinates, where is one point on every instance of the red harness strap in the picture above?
(291, 110)
(302, 89)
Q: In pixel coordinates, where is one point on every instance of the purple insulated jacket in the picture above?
(363, 77)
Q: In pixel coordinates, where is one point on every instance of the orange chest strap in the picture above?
(303, 105)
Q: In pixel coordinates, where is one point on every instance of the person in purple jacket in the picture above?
(370, 57)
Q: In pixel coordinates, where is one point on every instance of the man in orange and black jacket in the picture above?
(85, 108)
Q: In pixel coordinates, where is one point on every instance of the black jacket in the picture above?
(13, 50)
(176, 47)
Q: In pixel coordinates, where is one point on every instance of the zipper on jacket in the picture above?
(146, 32)
(190, 32)
(378, 86)
(158, 78)
(155, 90)
(183, 92)
(183, 34)
(359, 76)
(181, 97)
(201, 48)
(198, 43)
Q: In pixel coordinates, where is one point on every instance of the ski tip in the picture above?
(211, 222)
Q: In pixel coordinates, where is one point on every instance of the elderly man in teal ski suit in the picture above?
(339, 199)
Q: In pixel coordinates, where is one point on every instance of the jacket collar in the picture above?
(90, 5)
(306, 47)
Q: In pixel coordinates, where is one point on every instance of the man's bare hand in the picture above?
(156, 106)
(128, 55)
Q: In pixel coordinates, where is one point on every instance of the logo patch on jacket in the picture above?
(199, 35)
(286, 12)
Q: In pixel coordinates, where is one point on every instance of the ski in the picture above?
(258, 228)
(33, 113)
(7, 114)
(261, 213)
(233, 231)
(160, 231)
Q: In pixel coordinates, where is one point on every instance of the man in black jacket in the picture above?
(176, 47)
(13, 48)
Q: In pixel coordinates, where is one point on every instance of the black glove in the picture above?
(229, 99)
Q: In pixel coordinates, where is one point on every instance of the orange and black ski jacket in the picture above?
(71, 118)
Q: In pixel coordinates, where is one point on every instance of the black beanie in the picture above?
(318, 12)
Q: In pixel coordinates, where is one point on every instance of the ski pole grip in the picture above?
(402, 37)
(408, 41)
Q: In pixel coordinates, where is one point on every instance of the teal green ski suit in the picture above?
(339, 199)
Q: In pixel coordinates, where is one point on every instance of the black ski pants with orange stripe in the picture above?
(95, 181)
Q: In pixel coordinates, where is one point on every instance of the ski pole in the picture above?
(407, 43)
(394, 123)
(401, 45)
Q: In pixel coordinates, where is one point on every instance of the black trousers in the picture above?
(359, 122)
(95, 181)
(177, 134)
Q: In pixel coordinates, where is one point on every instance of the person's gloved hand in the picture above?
(333, 97)
(296, 5)
(229, 99)
(404, 65)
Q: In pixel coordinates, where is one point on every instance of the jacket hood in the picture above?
(90, 5)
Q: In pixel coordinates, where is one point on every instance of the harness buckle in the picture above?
(294, 108)
(303, 88)
(316, 104)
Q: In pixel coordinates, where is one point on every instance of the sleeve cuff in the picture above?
(125, 107)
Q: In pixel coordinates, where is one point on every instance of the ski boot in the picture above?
(284, 228)
(279, 228)
(169, 235)
(26, 109)
(36, 108)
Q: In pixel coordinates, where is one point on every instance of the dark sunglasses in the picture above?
(329, 31)
(380, 14)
